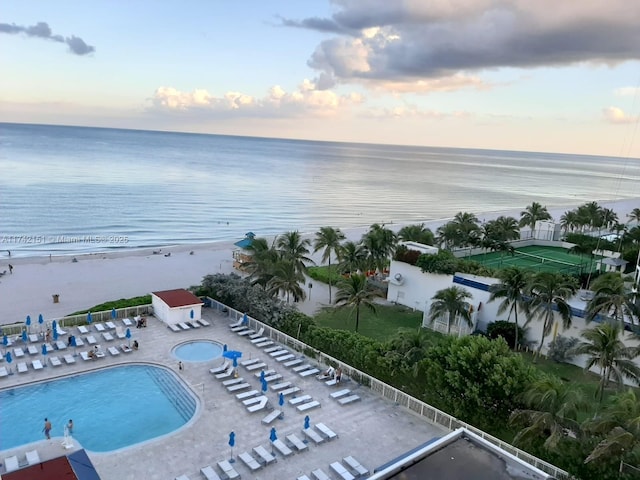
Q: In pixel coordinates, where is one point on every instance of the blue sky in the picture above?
(503, 74)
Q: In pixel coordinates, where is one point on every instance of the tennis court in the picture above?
(540, 259)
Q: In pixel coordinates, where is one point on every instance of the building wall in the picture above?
(168, 315)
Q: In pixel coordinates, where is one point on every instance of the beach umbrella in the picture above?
(114, 314)
(232, 442)
(307, 420)
(265, 386)
(89, 317)
(224, 347)
(232, 355)
(128, 335)
(191, 314)
(5, 342)
(74, 344)
(273, 437)
(54, 325)
(245, 319)
(262, 375)
(44, 352)
(28, 321)
(8, 358)
(40, 321)
(281, 403)
(24, 336)
(55, 333)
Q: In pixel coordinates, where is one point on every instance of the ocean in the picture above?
(72, 190)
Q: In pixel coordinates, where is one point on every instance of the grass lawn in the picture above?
(380, 326)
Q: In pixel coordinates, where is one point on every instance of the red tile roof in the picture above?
(178, 298)
(58, 468)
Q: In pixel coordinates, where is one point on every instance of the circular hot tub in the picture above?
(198, 351)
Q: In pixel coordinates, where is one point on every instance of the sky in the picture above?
(522, 75)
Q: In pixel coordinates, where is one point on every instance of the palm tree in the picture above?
(352, 258)
(411, 344)
(553, 411)
(286, 279)
(569, 221)
(620, 424)
(416, 233)
(354, 292)
(502, 229)
(468, 228)
(634, 215)
(448, 235)
(604, 349)
(453, 303)
(292, 247)
(608, 218)
(614, 299)
(328, 238)
(262, 264)
(380, 242)
(550, 291)
(591, 214)
(514, 281)
(533, 214)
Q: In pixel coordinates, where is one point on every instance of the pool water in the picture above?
(198, 351)
(111, 408)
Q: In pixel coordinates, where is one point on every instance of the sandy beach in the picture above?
(100, 277)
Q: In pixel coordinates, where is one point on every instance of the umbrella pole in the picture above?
(231, 460)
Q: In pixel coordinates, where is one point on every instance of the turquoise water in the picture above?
(154, 189)
(106, 408)
(198, 351)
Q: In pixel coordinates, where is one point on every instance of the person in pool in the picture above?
(70, 426)
(47, 428)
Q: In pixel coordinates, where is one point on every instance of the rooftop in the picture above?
(178, 298)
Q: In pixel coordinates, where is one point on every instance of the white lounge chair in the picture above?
(11, 464)
(125, 348)
(22, 367)
(279, 352)
(286, 357)
(209, 473)
(32, 457)
(226, 374)
(340, 393)
(303, 477)
(326, 431)
(83, 330)
(264, 343)
(264, 455)
(108, 337)
(184, 326)
(99, 327)
(355, 466)
(302, 368)
(290, 391)
(293, 363)
(3, 372)
(281, 447)
(60, 330)
(272, 378)
(308, 406)
(279, 386)
(233, 381)
(340, 470)
(55, 361)
(32, 350)
(113, 351)
(120, 333)
(312, 435)
(249, 394)
(300, 399)
(33, 338)
(309, 372)
(193, 324)
(18, 352)
(228, 470)
(250, 361)
(110, 325)
(127, 322)
(249, 461)
(37, 365)
(271, 416)
(221, 368)
(183, 477)
(69, 359)
(255, 366)
(257, 340)
(257, 334)
(298, 444)
(348, 400)
(174, 327)
(272, 349)
(91, 340)
(318, 474)
(85, 356)
(60, 345)
(238, 387)
(79, 342)
(203, 322)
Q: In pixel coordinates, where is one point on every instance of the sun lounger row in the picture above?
(12, 463)
(349, 469)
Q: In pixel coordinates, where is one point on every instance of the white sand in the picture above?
(97, 278)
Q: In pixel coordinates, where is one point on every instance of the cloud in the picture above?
(307, 100)
(618, 116)
(627, 91)
(412, 111)
(403, 42)
(42, 30)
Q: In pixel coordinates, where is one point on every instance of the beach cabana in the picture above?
(175, 306)
(242, 255)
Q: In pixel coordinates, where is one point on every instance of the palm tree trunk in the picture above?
(329, 278)
(357, 317)
(544, 330)
(516, 346)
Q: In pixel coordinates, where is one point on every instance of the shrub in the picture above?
(403, 254)
(506, 330)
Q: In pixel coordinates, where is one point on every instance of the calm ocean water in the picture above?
(67, 190)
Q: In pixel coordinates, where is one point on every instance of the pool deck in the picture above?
(373, 430)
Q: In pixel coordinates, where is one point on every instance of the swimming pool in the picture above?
(198, 351)
(111, 408)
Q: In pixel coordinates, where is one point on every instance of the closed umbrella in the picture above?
(191, 314)
(307, 420)
(28, 321)
(55, 333)
(273, 437)
(232, 442)
(114, 314)
(72, 340)
(89, 317)
(44, 352)
(128, 335)
(281, 403)
(224, 347)
(265, 387)
(54, 325)
(24, 336)
(8, 358)
(5, 342)
(262, 375)
(40, 321)
(245, 319)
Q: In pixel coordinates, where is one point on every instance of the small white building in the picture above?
(175, 306)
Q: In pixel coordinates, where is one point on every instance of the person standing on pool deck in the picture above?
(47, 428)
(180, 366)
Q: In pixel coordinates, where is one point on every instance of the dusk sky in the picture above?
(527, 75)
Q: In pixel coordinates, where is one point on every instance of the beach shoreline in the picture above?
(99, 277)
